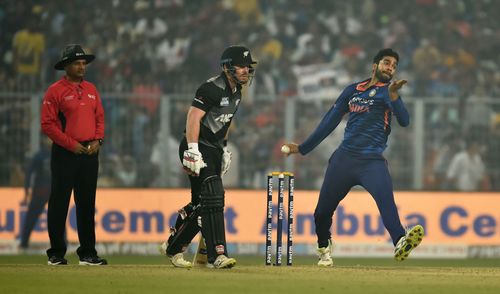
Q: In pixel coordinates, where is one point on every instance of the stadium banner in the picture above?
(145, 215)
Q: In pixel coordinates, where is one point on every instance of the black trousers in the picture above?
(77, 173)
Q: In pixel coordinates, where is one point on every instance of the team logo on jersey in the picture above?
(358, 104)
(245, 53)
(237, 102)
(224, 118)
(68, 97)
(224, 101)
(372, 93)
(91, 96)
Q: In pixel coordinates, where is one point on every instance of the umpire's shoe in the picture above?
(325, 255)
(54, 260)
(177, 260)
(221, 262)
(408, 242)
(93, 260)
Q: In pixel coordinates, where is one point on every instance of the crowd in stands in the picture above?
(147, 48)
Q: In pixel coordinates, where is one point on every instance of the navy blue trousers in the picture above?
(346, 170)
(40, 197)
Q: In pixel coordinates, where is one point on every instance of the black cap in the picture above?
(237, 55)
(71, 53)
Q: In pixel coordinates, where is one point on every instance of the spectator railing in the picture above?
(143, 131)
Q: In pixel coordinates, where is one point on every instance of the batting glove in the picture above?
(193, 160)
(226, 160)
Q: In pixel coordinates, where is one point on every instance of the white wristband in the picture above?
(193, 146)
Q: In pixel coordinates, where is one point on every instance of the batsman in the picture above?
(205, 158)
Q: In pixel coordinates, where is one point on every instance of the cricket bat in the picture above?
(200, 257)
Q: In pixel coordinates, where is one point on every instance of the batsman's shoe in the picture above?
(325, 255)
(54, 260)
(222, 261)
(179, 261)
(93, 260)
(408, 242)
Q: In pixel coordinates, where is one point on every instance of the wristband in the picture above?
(224, 143)
(193, 146)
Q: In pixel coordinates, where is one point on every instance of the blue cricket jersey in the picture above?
(369, 124)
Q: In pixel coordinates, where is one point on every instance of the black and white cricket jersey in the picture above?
(216, 98)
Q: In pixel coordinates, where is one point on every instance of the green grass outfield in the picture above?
(153, 274)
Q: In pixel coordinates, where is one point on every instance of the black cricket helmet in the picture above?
(237, 55)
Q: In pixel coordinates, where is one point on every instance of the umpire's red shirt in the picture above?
(72, 113)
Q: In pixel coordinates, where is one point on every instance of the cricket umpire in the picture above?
(72, 117)
(205, 158)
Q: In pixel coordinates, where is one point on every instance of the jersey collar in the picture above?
(361, 85)
(65, 81)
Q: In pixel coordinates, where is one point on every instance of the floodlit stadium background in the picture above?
(152, 55)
